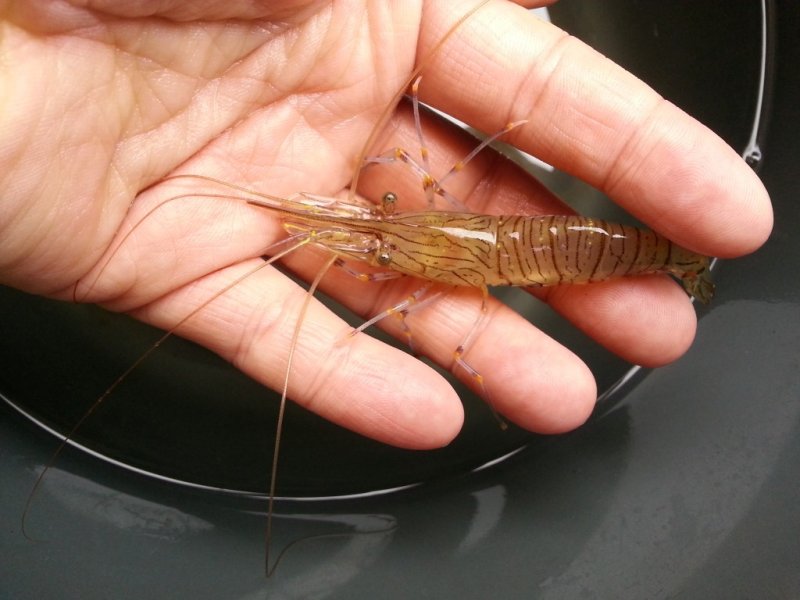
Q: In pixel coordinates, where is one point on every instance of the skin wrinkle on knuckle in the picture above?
(338, 374)
(456, 312)
(351, 366)
(593, 129)
(264, 325)
(620, 169)
(543, 71)
(484, 182)
(322, 383)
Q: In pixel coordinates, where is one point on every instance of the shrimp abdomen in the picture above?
(552, 250)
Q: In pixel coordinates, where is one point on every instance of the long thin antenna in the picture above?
(300, 239)
(269, 570)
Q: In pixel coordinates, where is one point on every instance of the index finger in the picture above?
(589, 117)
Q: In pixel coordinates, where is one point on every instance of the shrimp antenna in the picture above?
(294, 242)
(270, 569)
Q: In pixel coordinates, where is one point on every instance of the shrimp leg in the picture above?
(413, 302)
(430, 185)
(365, 277)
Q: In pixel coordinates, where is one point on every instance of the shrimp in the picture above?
(474, 250)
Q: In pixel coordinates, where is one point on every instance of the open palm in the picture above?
(100, 104)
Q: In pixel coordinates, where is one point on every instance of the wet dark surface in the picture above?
(683, 486)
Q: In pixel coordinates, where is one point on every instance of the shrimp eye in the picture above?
(388, 202)
(384, 257)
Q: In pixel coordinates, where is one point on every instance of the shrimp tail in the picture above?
(697, 283)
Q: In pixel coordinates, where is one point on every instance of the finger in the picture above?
(359, 383)
(589, 117)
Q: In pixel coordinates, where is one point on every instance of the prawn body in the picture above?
(475, 250)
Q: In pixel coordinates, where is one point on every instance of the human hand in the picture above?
(100, 105)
